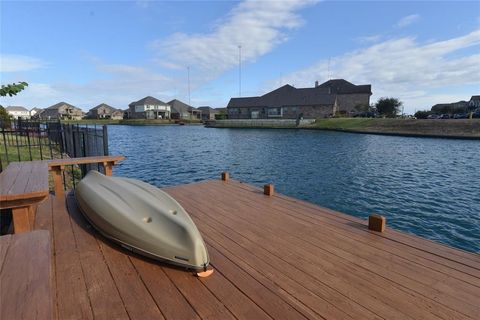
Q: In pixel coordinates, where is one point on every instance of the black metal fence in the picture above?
(26, 140)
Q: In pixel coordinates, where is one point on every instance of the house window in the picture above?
(274, 112)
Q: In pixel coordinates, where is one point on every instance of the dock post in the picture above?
(268, 189)
(57, 179)
(377, 222)
(225, 176)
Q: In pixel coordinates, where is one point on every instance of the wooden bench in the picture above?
(26, 276)
(56, 167)
(23, 185)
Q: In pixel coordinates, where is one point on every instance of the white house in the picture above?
(149, 108)
(18, 112)
(35, 112)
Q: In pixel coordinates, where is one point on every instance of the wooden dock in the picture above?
(274, 257)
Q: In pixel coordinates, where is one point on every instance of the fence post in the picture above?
(105, 140)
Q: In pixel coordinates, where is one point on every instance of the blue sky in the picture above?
(89, 52)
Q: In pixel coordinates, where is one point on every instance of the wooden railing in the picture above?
(23, 185)
(57, 166)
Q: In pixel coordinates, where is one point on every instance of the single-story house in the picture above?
(208, 113)
(104, 111)
(181, 110)
(18, 112)
(63, 111)
(149, 108)
(287, 102)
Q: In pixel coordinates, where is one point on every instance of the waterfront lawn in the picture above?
(468, 128)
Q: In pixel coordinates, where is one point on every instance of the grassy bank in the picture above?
(458, 128)
(133, 122)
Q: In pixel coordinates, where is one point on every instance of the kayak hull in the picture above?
(141, 218)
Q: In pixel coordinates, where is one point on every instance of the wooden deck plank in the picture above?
(241, 305)
(297, 283)
(198, 296)
(25, 277)
(166, 295)
(4, 245)
(274, 258)
(362, 278)
(101, 288)
(72, 298)
(468, 258)
(360, 233)
(8, 178)
(282, 249)
(137, 300)
(370, 259)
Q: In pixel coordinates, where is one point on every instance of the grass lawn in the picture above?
(435, 127)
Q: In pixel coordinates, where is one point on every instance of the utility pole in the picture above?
(239, 70)
(328, 72)
(188, 75)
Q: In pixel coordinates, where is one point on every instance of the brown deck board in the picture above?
(25, 276)
(102, 290)
(275, 257)
(72, 298)
(369, 259)
(325, 218)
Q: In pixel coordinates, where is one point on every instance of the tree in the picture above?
(4, 118)
(422, 114)
(388, 107)
(9, 90)
(12, 89)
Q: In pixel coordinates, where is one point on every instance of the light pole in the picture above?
(239, 70)
(188, 75)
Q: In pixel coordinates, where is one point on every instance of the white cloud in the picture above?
(408, 20)
(19, 63)
(369, 39)
(400, 67)
(258, 26)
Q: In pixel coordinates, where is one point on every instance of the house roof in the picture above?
(103, 105)
(148, 100)
(36, 109)
(180, 107)
(342, 86)
(16, 108)
(285, 96)
(206, 108)
(58, 105)
(475, 97)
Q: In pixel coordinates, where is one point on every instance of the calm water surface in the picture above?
(429, 187)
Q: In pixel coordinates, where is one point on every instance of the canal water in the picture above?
(424, 186)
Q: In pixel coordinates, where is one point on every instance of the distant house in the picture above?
(35, 112)
(288, 102)
(62, 111)
(149, 108)
(18, 112)
(474, 102)
(104, 111)
(450, 108)
(181, 110)
(208, 113)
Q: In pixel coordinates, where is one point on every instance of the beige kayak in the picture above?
(142, 218)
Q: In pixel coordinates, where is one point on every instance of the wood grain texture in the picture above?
(274, 257)
(25, 278)
(84, 160)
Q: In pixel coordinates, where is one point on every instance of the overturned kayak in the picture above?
(142, 218)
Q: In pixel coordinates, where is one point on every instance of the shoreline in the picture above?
(468, 129)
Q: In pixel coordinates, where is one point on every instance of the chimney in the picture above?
(316, 84)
